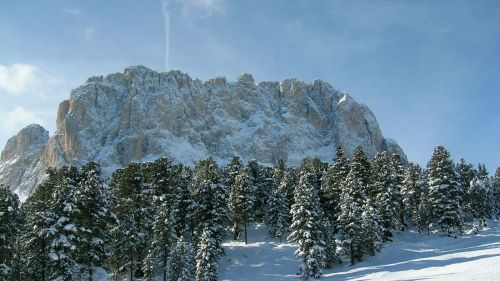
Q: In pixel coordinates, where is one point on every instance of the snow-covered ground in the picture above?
(411, 256)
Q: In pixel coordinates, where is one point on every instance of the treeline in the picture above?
(166, 219)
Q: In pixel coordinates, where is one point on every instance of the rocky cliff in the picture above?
(140, 115)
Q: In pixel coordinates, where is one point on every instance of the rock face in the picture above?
(141, 115)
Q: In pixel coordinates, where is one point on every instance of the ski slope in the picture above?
(410, 256)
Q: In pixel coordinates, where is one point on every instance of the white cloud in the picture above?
(73, 11)
(17, 118)
(199, 9)
(15, 79)
(89, 32)
(25, 79)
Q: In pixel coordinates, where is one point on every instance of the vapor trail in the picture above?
(166, 17)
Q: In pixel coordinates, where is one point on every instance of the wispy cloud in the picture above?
(199, 9)
(89, 32)
(73, 11)
(166, 18)
(26, 79)
(18, 118)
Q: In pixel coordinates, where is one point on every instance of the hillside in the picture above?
(410, 256)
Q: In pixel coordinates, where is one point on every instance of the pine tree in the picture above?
(412, 192)
(331, 255)
(479, 200)
(444, 192)
(278, 208)
(385, 193)
(260, 178)
(465, 175)
(93, 202)
(331, 185)
(10, 225)
(65, 235)
(211, 206)
(399, 172)
(207, 256)
(37, 231)
(306, 227)
(132, 209)
(241, 202)
(183, 204)
(180, 264)
(372, 230)
(350, 221)
(496, 193)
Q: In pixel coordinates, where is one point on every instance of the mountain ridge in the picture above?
(141, 115)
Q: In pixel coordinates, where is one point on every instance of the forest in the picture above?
(167, 220)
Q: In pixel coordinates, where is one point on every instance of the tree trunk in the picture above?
(352, 254)
(131, 266)
(91, 273)
(164, 264)
(246, 240)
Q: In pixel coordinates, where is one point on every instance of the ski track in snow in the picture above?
(410, 256)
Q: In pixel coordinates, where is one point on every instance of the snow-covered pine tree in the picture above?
(331, 255)
(211, 202)
(278, 208)
(306, 227)
(182, 205)
(444, 192)
(372, 229)
(10, 226)
(384, 192)
(241, 202)
(399, 171)
(361, 169)
(207, 256)
(496, 193)
(260, 180)
(413, 187)
(93, 201)
(132, 209)
(231, 170)
(36, 234)
(65, 234)
(479, 201)
(161, 242)
(465, 175)
(180, 265)
(331, 185)
(350, 221)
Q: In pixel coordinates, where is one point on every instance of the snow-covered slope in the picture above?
(410, 256)
(141, 115)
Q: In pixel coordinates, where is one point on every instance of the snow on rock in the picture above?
(141, 115)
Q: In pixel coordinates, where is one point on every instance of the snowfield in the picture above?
(411, 256)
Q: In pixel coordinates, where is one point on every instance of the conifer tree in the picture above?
(132, 209)
(65, 234)
(385, 193)
(211, 203)
(36, 234)
(350, 221)
(93, 202)
(183, 204)
(181, 261)
(496, 193)
(331, 185)
(479, 200)
(412, 192)
(231, 170)
(10, 226)
(306, 227)
(372, 230)
(399, 172)
(241, 201)
(207, 256)
(278, 208)
(444, 192)
(465, 175)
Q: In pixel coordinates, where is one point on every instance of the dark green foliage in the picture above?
(241, 201)
(10, 224)
(444, 192)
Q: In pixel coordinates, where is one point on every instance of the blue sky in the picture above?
(429, 70)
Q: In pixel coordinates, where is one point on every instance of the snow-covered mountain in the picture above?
(141, 115)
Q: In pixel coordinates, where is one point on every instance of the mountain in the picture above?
(141, 115)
